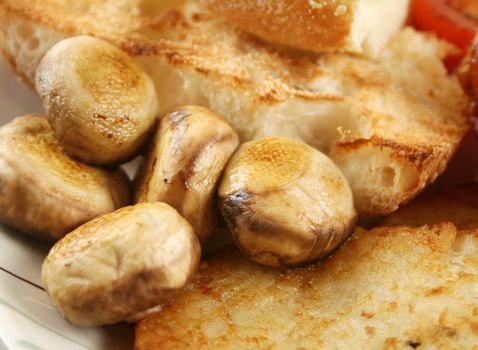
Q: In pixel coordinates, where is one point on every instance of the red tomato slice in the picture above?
(453, 20)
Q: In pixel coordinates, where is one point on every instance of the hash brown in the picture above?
(388, 288)
(458, 205)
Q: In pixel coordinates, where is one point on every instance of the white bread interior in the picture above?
(391, 124)
(376, 23)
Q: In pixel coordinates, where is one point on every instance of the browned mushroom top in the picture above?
(121, 264)
(189, 153)
(45, 193)
(100, 103)
(285, 203)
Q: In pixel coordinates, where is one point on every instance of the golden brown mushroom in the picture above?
(45, 193)
(285, 203)
(121, 264)
(189, 153)
(100, 103)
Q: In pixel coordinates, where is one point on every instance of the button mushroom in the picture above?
(190, 151)
(285, 203)
(45, 193)
(121, 264)
(100, 103)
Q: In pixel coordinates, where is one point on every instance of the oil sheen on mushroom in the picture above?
(45, 193)
(285, 203)
(186, 159)
(100, 103)
(121, 265)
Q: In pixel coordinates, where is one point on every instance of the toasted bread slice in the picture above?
(361, 26)
(389, 288)
(458, 205)
(390, 124)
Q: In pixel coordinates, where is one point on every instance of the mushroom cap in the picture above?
(100, 103)
(285, 203)
(45, 193)
(191, 148)
(121, 264)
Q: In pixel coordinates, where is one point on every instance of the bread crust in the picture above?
(306, 24)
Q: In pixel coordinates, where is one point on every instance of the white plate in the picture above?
(27, 319)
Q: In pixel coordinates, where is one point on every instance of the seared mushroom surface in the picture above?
(100, 103)
(285, 203)
(121, 264)
(189, 153)
(45, 193)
